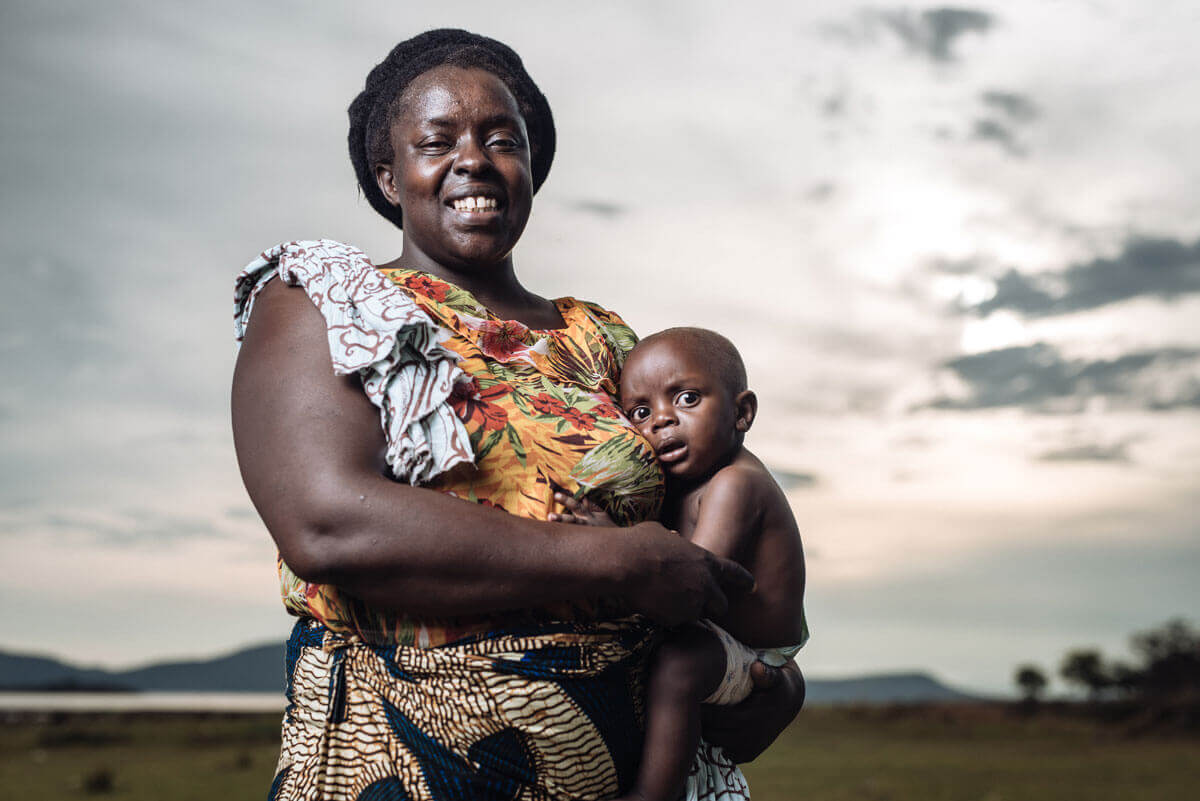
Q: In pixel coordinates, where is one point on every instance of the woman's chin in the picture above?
(477, 249)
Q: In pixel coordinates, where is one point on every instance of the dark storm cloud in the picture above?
(1038, 377)
(933, 32)
(1155, 267)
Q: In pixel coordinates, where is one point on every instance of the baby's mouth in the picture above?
(671, 451)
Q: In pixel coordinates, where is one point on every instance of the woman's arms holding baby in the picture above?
(738, 513)
(310, 448)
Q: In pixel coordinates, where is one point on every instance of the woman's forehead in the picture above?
(449, 91)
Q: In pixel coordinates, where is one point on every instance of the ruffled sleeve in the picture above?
(375, 329)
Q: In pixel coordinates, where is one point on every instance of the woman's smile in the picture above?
(476, 203)
(460, 170)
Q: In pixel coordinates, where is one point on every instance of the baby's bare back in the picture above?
(742, 514)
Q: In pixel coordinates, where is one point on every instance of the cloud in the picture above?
(988, 130)
(127, 527)
(1146, 266)
(791, 479)
(820, 192)
(933, 32)
(1117, 452)
(1038, 377)
(1007, 110)
(1016, 107)
(598, 208)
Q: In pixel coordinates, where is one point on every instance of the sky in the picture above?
(958, 247)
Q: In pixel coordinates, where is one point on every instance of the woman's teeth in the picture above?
(476, 204)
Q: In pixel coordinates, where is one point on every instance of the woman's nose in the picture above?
(471, 158)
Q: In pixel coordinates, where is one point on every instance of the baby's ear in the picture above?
(746, 404)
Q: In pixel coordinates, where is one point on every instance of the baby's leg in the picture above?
(687, 668)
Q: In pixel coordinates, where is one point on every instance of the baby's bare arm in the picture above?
(745, 516)
(730, 516)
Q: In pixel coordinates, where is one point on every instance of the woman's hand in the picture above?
(745, 730)
(672, 581)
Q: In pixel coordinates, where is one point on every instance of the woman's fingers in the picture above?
(674, 581)
(733, 577)
(716, 605)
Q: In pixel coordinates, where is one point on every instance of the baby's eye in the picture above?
(639, 413)
(689, 397)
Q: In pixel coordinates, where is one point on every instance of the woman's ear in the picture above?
(746, 404)
(385, 179)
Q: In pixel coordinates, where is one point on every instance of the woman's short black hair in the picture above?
(372, 112)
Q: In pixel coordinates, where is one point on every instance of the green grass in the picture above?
(869, 754)
(144, 757)
(969, 753)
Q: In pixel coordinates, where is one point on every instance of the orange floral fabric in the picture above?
(541, 415)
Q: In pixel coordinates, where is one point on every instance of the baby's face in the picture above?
(680, 405)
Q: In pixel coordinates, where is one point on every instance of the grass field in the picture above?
(868, 754)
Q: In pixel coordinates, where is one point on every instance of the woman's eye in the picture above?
(688, 398)
(639, 413)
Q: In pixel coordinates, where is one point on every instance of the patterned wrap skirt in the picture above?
(545, 713)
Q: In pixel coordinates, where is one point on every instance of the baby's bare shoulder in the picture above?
(746, 476)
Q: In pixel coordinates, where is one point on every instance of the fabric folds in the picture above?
(375, 329)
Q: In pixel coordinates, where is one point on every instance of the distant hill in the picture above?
(260, 669)
(885, 688)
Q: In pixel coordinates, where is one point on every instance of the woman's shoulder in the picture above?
(332, 273)
(375, 329)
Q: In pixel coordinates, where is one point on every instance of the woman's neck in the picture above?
(495, 286)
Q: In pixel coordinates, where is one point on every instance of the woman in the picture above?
(451, 643)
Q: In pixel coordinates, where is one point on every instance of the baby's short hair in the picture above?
(713, 348)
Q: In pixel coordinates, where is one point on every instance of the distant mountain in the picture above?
(885, 688)
(260, 669)
(20, 671)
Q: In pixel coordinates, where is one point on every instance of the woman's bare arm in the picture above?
(310, 447)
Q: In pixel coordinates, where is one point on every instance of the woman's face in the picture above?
(460, 169)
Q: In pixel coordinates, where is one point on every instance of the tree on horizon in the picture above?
(1031, 681)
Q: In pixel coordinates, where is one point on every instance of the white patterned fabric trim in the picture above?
(374, 329)
(713, 776)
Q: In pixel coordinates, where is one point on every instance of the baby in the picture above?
(685, 389)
